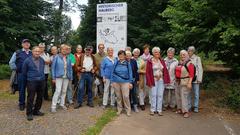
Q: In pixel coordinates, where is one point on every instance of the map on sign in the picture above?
(112, 25)
(108, 36)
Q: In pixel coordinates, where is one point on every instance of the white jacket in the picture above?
(171, 65)
(196, 60)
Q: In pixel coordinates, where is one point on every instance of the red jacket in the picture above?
(149, 73)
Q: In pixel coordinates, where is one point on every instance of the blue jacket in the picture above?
(122, 72)
(106, 68)
(57, 67)
(134, 70)
(21, 55)
(30, 71)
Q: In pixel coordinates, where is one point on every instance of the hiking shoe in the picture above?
(142, 107)
(38, 113)
(77, 106)
(30, 117)
(21, 107)
(90, 104)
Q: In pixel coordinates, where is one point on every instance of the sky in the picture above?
(75, 16)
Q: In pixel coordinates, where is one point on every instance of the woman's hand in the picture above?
(189, 86)
(130, 86)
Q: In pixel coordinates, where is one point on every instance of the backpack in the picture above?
(195, 76)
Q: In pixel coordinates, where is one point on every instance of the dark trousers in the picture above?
(34, 87)
(46, 87)
(133, 94)
(22, 88)
(88, 78)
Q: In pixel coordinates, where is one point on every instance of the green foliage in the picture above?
(209, 25)
(233, 97)
(5, 72)
(223, 90)
(101, 122)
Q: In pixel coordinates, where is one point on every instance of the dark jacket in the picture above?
(134, 70)
(30, 71)
(21, 55)
(149, 73)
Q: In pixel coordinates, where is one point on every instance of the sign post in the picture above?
(112, 25)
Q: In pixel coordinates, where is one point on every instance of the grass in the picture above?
(108, 116)
(7, 95)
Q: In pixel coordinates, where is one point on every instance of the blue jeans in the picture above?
(22, 89)
(195, 89)
(69, 92)
(88, 78)
(157, 96)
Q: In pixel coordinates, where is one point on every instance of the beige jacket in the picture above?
(196, 60)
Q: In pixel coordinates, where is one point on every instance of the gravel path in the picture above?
(70, 122)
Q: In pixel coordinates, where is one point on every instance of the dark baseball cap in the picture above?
(25, 40)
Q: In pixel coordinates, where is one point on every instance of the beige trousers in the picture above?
(122, 93)
(185, 93)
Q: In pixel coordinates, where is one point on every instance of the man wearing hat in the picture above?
(88, 67)
(17, 60)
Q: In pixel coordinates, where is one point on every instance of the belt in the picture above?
(183, 77)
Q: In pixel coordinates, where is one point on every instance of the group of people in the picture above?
(126, 80)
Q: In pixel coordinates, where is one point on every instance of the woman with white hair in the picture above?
(61, 74)
(141, 71)
(184, 75)
(156, 76)
(169, 100)
(196, 60)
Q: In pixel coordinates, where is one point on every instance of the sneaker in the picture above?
(104, 107)
(30, 117)
(186, 115)
(70, 102)
(21, 107)
(195, 110)
(38, 113)
(64, 107)
(53, 110)
(135, 108)
(152, 113)
(118, 113)
(160, 114)
(77, 106)
(129, 114)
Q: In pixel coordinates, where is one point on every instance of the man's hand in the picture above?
(104, 80)
(53, 81)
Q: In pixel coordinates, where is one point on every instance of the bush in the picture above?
(224, 91)
(5, 71)
(233, 97)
